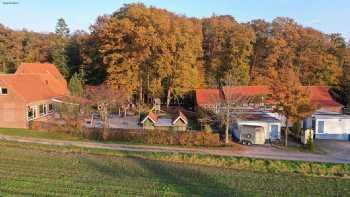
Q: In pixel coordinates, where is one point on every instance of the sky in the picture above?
(329, 16)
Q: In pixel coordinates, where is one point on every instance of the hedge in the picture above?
(186, 138)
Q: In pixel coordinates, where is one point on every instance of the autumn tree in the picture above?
(262, 33)
(292, 100)
(180, 60)
(9, 50)
(93, 68)
(313, 54)
(149, 51)
(227, 47)
(346, 86)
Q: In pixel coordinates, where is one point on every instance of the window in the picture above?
(3, 91)
(43, 109)
(320, 128)
(31, 113)
(50, 107)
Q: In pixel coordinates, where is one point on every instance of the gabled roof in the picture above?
(180, 116)
(48, 73)
(39, 68)
(35, 82)
(151, 116)
(29, 88)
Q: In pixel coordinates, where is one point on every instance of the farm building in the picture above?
(28, 94)
(160, 121)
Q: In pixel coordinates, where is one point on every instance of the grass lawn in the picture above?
(38, 134)
(40, 170)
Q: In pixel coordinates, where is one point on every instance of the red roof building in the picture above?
(319, 96)
(27, 95)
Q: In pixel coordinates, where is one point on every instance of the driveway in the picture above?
(335, 149)
(264, 152)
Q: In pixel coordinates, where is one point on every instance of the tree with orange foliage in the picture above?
(292, 100)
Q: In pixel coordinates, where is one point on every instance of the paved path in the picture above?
(266, 152)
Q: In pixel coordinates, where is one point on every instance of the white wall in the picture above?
(334, 126)
(265, 125)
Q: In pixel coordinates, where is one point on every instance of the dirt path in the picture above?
(265, 152)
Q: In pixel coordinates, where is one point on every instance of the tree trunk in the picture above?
(227, 125)
(141, 93)
(286, 131)
(168, 97)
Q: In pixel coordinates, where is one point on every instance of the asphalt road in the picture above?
(264, 152)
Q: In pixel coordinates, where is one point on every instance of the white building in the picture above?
(329, 125)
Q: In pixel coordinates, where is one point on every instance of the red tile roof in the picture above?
(246, 90)
(29, 88)
(49, 74)
(38, 68)
(208, 96)
(319, 95)
(35, 82)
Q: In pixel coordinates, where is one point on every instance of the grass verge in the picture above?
(39, 134)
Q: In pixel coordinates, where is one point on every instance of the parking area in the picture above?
(128, 122)
(334, 148)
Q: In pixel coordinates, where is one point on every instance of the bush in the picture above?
(310, 143)
(182, 138)
(47, 126)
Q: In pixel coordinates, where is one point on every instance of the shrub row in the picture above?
(258, 165)
(164, 137)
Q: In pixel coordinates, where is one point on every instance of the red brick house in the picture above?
(27, 95)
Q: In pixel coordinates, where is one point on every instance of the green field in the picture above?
(38, 170)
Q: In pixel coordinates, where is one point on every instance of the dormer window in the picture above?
(3, 91)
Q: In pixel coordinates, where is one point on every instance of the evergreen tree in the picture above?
(76, 85)
(58, 53)
(62, 29)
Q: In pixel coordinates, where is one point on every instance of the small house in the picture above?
(160, 121)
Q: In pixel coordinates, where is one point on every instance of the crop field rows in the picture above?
(36, 172)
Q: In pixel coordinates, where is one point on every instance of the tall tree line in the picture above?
(149, 52)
